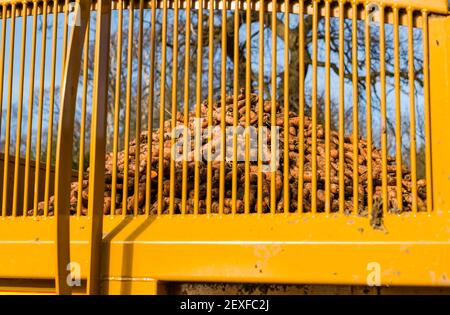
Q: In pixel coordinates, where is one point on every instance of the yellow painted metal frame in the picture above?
(411, 251)
(439, 42)
(98, 142)
(64, 148)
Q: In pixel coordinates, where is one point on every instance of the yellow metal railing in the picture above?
(409, 14)
(117, 90)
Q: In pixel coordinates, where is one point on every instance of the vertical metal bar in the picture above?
(301, 107)
(286, 174)
(210, 106)
(83, 130)
(148, 181)
(260, 107)
(186, 105)
(412, 110)
(223, 102)
(398, 111)
(355, 106)
(64, 149)
(314, 107)
(174, 104)
(426, 96)
(235, 108)
(383, 110)
(9, 109)
(26, 188)
(19, 113)
(248, 73)
(341, 107)
(138, 109)
(116, 106)
(273, 114)
(41, 107)
(327, 110)
(197, 132)
(98, 143)
(128, 107)
(49, 148)
(368, 116)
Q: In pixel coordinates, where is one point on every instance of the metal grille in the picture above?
(29, 89)
(350, 75)
(204, 62)
(169, 57)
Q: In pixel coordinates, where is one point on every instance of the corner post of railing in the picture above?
(98, 143)
(439, 69)
(63, 169)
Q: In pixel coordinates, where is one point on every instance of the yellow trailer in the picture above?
(81, 79)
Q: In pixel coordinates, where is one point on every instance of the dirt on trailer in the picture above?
(125, 185)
